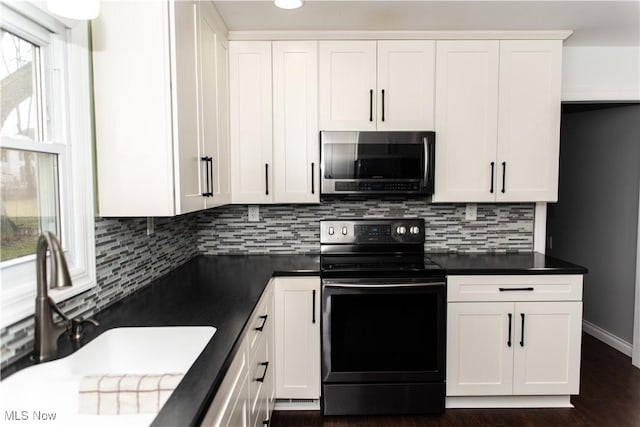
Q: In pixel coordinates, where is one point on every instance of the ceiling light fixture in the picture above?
(288, 4)
(75, 9)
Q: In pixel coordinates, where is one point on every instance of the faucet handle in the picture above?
(77, 327)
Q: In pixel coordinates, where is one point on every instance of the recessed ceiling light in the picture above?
(288, 4)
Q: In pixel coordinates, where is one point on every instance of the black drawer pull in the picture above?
(264, 322)
(266, 178)
(266, 366)
(522, 336)
(371, 105)
(383, 105)
(509, 341)
(515, 289)
(313, 187)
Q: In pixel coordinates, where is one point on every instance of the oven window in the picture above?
(384, 332)
(373, 161)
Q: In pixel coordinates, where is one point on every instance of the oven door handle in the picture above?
(382, 285)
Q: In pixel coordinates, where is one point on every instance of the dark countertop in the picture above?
(516, 263)
(222, 291)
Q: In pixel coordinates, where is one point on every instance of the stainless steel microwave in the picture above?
(377, 162)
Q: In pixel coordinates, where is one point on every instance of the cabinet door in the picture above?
(529, 120)
(187, 137)
(251, 123)
(406, 78)
(133, 109)
(222, 165)
(466, 121)
(214, 112)
(295, 122)
(479, 349)
(547, 348)
(347, 85)
(297, 337)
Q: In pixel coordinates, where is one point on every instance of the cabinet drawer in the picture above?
(259, 369)
(556, 287)
(261, 320)
(231, 390)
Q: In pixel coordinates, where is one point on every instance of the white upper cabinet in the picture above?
(348, 85)
(369, 85)
(251, 122)
(529, 120)
(274, 122)
(466, 120)
(295, 122)
(214, 98)
(406, 78)
(497, 120)
(152, 86)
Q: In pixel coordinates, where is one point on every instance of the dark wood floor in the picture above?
(609, 397)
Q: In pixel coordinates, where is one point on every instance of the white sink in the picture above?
(51, 389)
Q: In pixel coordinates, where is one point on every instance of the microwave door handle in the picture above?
(426, 160)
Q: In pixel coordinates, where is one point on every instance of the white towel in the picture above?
(126, 393)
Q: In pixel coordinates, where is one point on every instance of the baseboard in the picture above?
(297, 405)
(457, 402)
(608, 338)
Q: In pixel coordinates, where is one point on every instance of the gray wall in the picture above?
(595, 220)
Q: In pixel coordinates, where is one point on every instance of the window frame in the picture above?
(65, 60)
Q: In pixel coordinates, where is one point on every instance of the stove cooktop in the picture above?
(374, 247)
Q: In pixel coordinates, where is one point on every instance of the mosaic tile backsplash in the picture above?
(127, 259)
(296, 229)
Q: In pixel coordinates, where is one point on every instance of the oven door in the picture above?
(383, 330)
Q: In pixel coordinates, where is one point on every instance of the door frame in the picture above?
(636, 323)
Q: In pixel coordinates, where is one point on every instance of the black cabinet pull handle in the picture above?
(313, 188)
(522, 336)
(504, 175)
(493, 169)
(264, 322)
(383, 105)
(266, 178)
(211, 174)
(208, 175)
(514, 289)
(266, 366)
(371, 105)
(313, 306)
(509, 340)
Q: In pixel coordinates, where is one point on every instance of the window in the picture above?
(29, 181)
(45, 151)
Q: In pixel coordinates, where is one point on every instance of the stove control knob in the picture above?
(401, 230)
(344, 231)
(415, 230)
(331, 231)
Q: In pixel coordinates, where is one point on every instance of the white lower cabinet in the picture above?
(245, 397)
(297, 337)
(517, 347)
